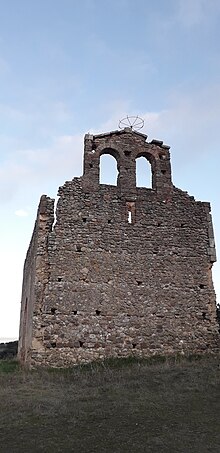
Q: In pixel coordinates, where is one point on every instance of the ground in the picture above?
(169, 406)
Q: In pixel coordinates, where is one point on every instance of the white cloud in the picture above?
(38, 167)
(38, 117)
(21, 213)
(11, 265)
(191, 121)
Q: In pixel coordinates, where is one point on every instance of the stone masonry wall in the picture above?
(35, 278)
(124, 270)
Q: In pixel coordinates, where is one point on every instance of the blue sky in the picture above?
(69, 67)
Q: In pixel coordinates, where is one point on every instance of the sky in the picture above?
(68, 68)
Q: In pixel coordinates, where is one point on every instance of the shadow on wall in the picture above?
(8, 350)
(218, 315)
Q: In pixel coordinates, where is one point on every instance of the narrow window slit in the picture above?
(81, 343)
(53, 344)
(134, 345)
(98, 312)
(59, 279)
(53, 310)
(75, 312)
(130, 205)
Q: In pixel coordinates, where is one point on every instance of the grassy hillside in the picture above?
(119, 406)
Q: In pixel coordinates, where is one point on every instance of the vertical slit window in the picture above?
(130, 207)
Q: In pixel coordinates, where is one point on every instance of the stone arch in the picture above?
(143, 173)
(108, 174)
(139, 174)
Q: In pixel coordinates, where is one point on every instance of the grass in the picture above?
(7, 366)
(156, 405)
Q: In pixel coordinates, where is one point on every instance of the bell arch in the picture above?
(143, 173)
(108, 171)
(109, 168)
(144, 170)
(126, 147)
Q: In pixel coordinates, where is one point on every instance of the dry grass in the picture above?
(119, 406)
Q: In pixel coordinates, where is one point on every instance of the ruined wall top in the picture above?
(126, 146)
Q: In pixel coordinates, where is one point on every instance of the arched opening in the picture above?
(143, 173)
(108, 172)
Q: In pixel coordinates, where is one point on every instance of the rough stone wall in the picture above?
(124, 270)
(35, 278)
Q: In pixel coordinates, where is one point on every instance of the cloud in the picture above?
(195, 12)
(198, 18)
(40, 167)
(191, 121)
(191, 12)
(114, 111)
(21, 213)
(49, 113)
(188, 123)
(12, 113)
(11, 264)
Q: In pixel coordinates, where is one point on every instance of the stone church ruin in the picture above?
(120, 270)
